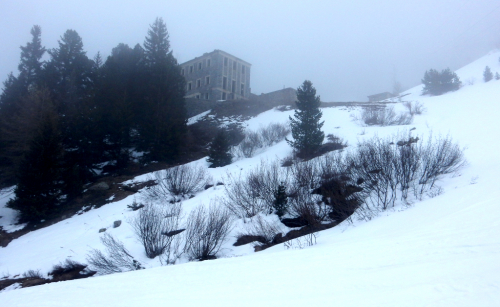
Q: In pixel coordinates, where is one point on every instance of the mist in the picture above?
(348, 49)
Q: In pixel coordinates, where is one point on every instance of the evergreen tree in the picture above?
(487, 74)
(118, 93)
(39, 182)
(15, 91)
(436, 83)
(30, 67)
(69, 76)
(306, 125)
(280, 204)
(497, 76)
(219, 153)
(163, 115)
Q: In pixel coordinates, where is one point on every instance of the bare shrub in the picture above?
(254, 193)
(241, 198)
(118, 258)
(439, 156)
(416, 108)
(384, 116)
(206, 231)
(307, 207)
(388, 168)
(178, 180)
(301, 242)
(340, 191)
(152, 226)
(67, 266)
(305, 174)
(249, 145)
(274, 133)
(265, 136)
(260, 227)
(33, 274)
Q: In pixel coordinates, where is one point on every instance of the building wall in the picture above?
(228, 77)
(286, 96)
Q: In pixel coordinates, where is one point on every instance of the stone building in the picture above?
(217, 75)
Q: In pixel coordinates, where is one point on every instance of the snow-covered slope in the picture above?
(442, 251)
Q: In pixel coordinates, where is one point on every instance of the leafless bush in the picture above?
(118, 258)
(178, 180)
(305, 174)
(301, 242)
(274, 133)
(33, 274)
(384, 116)
(307, 206)
(254, 193)
(265, 136)
(206, 231)
(414, 109)
(67, 266)
(152, 226)
(339, 188)
(439, 156)
(260, 227)
(388, 168)
(249, 145)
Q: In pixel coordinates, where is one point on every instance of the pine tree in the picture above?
(30, 67)
(487, 74)
(163, 113)
(219, 152)
(39, 183)
(497, 76)
(280, 204)
(436, 83)
(306, 126)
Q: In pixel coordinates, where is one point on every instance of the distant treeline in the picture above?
(61, 118)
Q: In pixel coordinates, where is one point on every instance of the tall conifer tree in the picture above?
(306, 125)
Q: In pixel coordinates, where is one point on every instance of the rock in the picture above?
(101, 186)
(117, 224)
(173, 232)
(295, 222)
(102, 230)
(242, 240)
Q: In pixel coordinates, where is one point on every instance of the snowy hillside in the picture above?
(441, 251)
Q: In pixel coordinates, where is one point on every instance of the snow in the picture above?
(442, 251)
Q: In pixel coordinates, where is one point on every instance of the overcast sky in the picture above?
(348, 48)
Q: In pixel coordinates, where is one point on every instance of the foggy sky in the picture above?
(348, 48)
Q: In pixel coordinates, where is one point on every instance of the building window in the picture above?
(242, 69)
(189, 86)
(191, 69)
(182, 72)
(223, 96)
(198, 96)
(224, 83)
(225, 61)
(206, 96)
(233, 87)
(208, 63)
(242, 92)
(207, 80)
(234, 65)
(198, 83)
(199, 66)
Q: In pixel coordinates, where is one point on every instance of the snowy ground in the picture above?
(442, 251)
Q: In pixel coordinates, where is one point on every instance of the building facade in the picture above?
(217, 75)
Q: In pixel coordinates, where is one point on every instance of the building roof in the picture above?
(213, 52)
